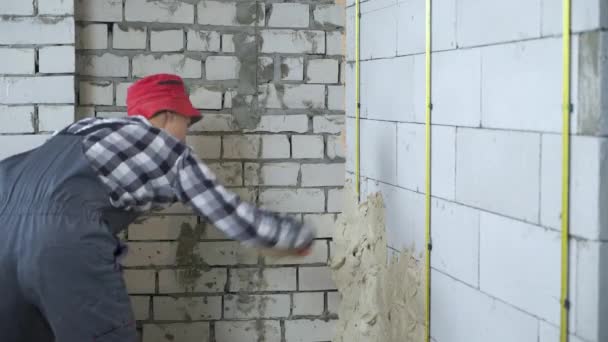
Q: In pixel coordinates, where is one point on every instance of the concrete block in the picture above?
(335, 149)
(17, 61)
(17, 119)
(172, 281)
(322, 71)
(586, 16)
(335, 43)
(28, 90)
(228, 43)
(378, 150)
(183, 332)
(227, 331)
(187, 308)
(275, 146)
(508, 104)
(411, 159)
(141, 307)
(290, 41)
(319, 254)
(292, 96)
(323, 175)
(279, 174)
(167, 40)
(292, 68)
(176, 12)
(333, 302)
(221, 253)
(335, 98)
(308, 304)
(328, 124)
(510, 261)
(307, 146)
(411, 26)
(92, 37)
(462, 313)
(228, 174)
(241, 146)
(214, 123)
(304, 330)
(220, 13)
(121, 93)
(106, 65)
(315, 279)
(376, 14)
(282, 123)
(96, 93)
(34, 30)
(204, 41)
(289, 15)
(56, 7)
(129, 38)
(160, 227)
(178, 64)
(14, 144)
(322, 223)
(329, 15)
(17, 7)
(204, 98)
(140, 281)
(206, 147)
(294, 200)
(456, 82)
(335, 200)
(57, 59)
(150, 254)
(506, 162)
(245, 306)
(222, 68)
(55, 118)
(269, 279)
(482, 23)
(99, 10)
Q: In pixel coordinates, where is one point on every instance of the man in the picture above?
(62, 204)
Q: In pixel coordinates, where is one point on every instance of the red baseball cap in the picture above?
(161, 92)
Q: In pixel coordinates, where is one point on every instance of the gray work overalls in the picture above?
(59, 278)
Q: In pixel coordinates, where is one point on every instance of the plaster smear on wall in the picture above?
(381, 301)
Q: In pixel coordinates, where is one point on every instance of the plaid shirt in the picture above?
(146, 169)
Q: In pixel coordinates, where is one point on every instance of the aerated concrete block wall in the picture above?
(496, 158)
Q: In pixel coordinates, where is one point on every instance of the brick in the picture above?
(222, 68)
(243, 306)
(187, 308)
(121, 93)
(204, 41)
(301, 96)
(411, 156)
(57, 59)
(17, 61)
(308, 304)
(222, 253)
(328, 123)
(323, 175)
(585, 16)
(376, 14)
(140, 281)
(204, 98)
(17, 119)
(462, 313)
(172, 63)
(282, 123)
(335, 43)
(307, 146)
(246, 194)
(14, 144)
(93, 37)
(507, 105)
(112, 115)
(33, 30)
(335, 98)
(309, 330)
(335, 199)
(322, 71)
(328, 15)
(509, 254)
(242, 331)
(241, 146)
(157, 11)
(183, 332)
(322, 223)
(319, 254)
(229, 174)
(292, 68)
(228, 43)
(96, 93)
(377, 136)
(96, 10)
(141, 307)
(55, 118)
(17, 7)
(167, 40)
(160, 227)
(333, 302)
(85, 112)
(212, 280)
(206, 147)
(335, 149)
(215, 123)
(506, 162)
(55, 7)
(228, 95)
(129, 38)
(411, 32)
(473, 18)
(275, 147)
(315, 279)
(299, 200)
(27, 90)
(289, 41)
(265, 69)
(276, 174)
(246, 13)
(269, 279)
(106, 65)
(150, 254)
(289, 15)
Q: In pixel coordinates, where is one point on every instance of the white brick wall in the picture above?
(242, 331)
(128, 38)
(309, 330)
(256, 306)
(94, 37)
(21, 119)
(54, 118)
(289, 15)
(300, 200)
(288, 41)
(204, 41)
(99, 10)
(175, 64)
(156, 11)
(222, 68)
(308, 304)
(167, 40)
(186, 332)
(307, 146)
(17, 61)
(196, 308)
(105, 65)
(33, 30)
